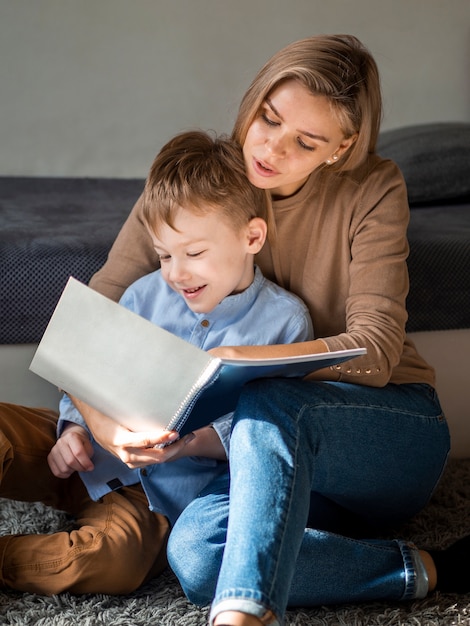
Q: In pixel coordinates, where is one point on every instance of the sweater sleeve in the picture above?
(378, 279)
(131, 256)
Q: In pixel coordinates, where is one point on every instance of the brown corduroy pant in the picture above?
(116, 543)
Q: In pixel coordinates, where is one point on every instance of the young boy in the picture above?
(206, 223)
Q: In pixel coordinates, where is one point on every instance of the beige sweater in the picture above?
(341, 246)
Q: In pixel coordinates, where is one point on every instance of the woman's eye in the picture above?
(268, 120)
(304, 145)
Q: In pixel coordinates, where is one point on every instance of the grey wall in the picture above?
(94, 87)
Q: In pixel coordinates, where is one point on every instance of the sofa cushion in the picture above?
(50, 229)
(434, 159)
(439, 267)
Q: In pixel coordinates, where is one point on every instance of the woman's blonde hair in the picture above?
(338, 67)
(203, 174)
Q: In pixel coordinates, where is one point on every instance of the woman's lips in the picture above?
(263, 169)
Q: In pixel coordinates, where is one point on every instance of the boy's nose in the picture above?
(178, 271)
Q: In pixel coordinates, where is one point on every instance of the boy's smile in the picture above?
(192, 293)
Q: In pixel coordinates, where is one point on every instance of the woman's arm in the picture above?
(131, 256)
(375, 305)
(315, 346)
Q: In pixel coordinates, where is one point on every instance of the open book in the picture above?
(140, 374)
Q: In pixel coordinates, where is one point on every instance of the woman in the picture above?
(356, 447)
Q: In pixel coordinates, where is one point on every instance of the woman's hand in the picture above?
(72, 452)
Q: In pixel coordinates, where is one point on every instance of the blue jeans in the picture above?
(315, 469)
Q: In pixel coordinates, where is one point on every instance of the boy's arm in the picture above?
(206, 442)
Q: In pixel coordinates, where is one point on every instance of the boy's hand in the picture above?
(138, 449)
(202, 442)
(72, 452)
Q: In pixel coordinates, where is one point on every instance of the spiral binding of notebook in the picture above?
(207, 378)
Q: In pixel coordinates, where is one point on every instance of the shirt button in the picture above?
(205, 323)
(144, 472)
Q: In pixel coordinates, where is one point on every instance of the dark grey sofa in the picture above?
(435, 161)
(51, 228)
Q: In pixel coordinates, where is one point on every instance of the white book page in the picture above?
(118, 362)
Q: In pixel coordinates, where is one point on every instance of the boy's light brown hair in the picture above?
(201, 173)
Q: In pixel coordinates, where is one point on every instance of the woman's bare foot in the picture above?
(452, 566)
(430, 566)
(236, 618)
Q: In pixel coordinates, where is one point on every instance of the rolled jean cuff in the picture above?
(416, 576)
(244, 605)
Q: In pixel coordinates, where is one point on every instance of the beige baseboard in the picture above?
(20, 386)
(448, 351)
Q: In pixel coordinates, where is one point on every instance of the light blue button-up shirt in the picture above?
(262, 314)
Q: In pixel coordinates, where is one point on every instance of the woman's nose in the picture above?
(276, 145)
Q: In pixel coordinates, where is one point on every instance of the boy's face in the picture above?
(204, 258)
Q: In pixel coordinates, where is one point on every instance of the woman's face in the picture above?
(293, 133)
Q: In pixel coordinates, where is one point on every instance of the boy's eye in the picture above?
(164, 257)
(195, 254)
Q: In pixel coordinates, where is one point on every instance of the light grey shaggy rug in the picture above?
(161, 603)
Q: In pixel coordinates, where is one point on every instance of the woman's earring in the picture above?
(329, 161)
